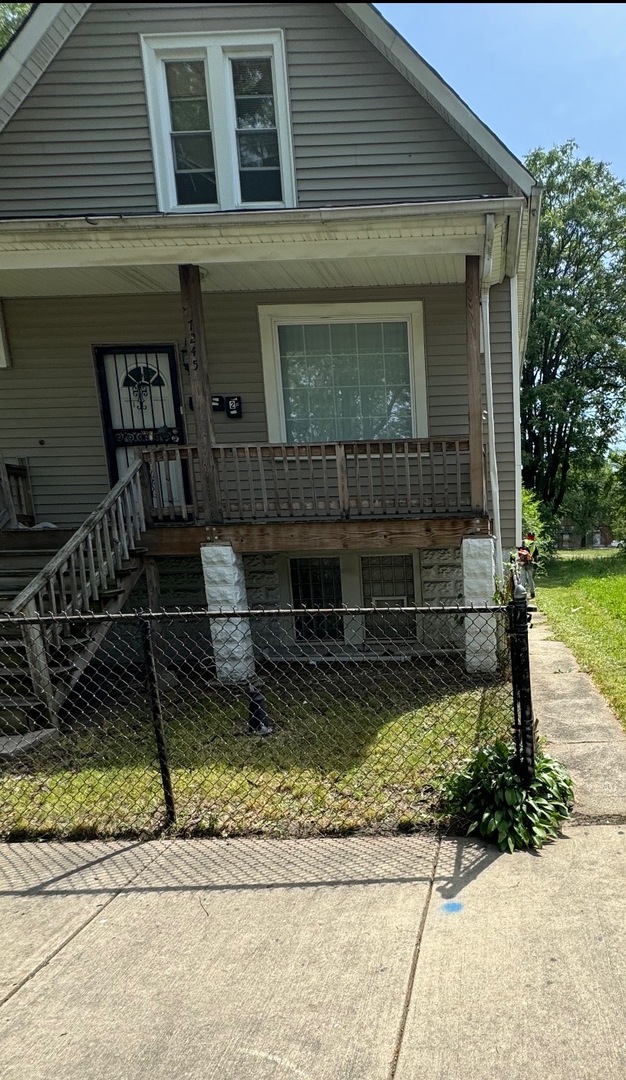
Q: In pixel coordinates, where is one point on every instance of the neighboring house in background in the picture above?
(268, 248)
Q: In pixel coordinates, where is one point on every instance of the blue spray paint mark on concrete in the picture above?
(451, 907)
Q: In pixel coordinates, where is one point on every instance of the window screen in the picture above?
(257, 133)
(192, 142)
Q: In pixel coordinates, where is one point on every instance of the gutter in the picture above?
(246, 218)
(534, 216)
(491, 428)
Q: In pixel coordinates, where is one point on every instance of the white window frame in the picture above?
(275, 315)
(216, 50)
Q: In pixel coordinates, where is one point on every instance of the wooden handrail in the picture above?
(302, 481)
(91, 555)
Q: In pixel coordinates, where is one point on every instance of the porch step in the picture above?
(27, 552)
(13, 745)
(46, 541)
(16, 563)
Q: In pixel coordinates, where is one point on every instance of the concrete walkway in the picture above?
(339, 959)
(389, 958)
(581, 729)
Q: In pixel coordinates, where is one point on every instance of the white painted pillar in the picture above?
(225, 587)
(479, 572)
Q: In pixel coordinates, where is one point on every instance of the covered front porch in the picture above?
(189, 297)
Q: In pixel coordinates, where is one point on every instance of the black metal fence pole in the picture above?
(157, 721)
(520, 676)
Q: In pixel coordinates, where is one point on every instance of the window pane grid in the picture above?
(389, 578)
(317, 583)
(192, 145)
(346, 381)
(255, 130)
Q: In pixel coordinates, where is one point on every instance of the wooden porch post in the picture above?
(472, 311)
(191, 296)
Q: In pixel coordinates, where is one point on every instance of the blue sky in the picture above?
(537, 74)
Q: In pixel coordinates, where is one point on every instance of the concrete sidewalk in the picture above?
(362, 958)
(580, 728)
(333, 959)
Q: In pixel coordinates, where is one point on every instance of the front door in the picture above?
(141, 407)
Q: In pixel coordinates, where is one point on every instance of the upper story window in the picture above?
(219, 119)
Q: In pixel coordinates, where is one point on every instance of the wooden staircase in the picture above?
(95, 570)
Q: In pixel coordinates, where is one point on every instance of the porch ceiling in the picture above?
(237, 277)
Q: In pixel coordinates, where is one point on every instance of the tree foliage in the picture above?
(590, 498)
(11, 15)
(574, 379)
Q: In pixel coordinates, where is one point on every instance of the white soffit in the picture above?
(237, 277)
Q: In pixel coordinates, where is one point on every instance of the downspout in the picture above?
(491, 427)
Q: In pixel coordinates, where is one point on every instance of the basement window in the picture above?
(219, 120)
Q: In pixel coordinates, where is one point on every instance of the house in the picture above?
(266, 284)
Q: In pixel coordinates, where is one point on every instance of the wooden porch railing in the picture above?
(273, 482)
(84, 569)
(91, 559)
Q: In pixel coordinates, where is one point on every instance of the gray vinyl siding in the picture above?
(50, 393)
(80, 142)
(502, 373)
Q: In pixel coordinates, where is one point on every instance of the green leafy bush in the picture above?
(489, 793)
(539, 519)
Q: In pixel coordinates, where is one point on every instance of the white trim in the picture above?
(216, 49)
(26, 41)
(271, 316)
(5, 354)
(516, 375)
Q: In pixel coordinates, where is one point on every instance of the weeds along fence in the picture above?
(278, 722)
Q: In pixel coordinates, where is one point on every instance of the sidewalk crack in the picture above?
(413, 969)
(79, 929)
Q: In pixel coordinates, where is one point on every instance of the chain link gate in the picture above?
(277, 722)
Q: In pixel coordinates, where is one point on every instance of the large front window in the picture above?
(345, 381)
(342, 374)
(219, 119)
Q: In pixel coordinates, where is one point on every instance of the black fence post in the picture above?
(520, 677)
(157, 721)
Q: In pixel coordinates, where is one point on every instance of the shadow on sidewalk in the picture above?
(99, 867)
(462, 860)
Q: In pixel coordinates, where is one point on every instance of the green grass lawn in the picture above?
(584, 597)
(354, 747)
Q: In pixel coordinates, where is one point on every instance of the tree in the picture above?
(590, 498)
(574, 378)
(11, 15)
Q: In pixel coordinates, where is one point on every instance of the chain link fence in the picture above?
(271, 722)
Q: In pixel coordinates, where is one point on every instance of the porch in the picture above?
(265, 482)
